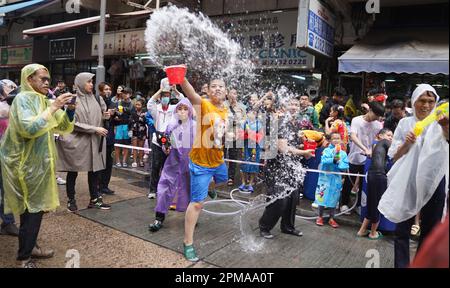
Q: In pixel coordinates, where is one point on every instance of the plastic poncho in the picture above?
(414, 178)
(28, 153)
(329, 186)
(175, 178)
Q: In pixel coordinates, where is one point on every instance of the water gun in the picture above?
(421, 125)
(338, 151)
(164, 141)
(310, 145)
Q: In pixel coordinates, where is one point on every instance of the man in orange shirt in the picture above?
(206, 157)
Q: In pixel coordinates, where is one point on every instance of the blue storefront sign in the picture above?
(315, 30)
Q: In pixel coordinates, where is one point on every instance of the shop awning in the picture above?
(135, 13)
(409, 51)
(61, 26)
(17, 6)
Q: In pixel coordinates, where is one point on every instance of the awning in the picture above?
(409, 51)
(18, 6)
(135, 13)
(61, 26)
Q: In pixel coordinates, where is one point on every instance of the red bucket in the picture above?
(309, 146)
(176, 74)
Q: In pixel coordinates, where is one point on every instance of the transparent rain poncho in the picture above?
(414, 178)
(28, 152)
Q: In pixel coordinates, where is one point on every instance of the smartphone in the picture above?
(74, 100)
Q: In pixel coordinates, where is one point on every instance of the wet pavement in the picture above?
(120, 237)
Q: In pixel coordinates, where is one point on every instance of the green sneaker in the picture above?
(212, 194)
(189, 253)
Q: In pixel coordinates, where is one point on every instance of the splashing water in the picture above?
(194, 40)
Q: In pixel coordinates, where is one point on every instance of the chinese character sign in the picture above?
(268, 39)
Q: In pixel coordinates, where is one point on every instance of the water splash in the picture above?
(175, 36)
(193, 39)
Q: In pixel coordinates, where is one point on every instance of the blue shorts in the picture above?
(201, 177)
(122, 132)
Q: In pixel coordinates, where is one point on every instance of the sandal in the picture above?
(379, 236)
(366, 234)
(415, 230)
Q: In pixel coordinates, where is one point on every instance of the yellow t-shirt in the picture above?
(211, 127)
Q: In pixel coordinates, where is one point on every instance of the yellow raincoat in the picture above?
(28, 153)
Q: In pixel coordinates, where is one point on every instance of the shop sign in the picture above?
(316, 27)
(269, 39)
(62, 49)
(16, 55)
(129, 43)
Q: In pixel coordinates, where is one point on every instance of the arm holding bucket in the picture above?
(190, 93)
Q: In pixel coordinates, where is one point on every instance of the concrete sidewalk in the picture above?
(120, 237)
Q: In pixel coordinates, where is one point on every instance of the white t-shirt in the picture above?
(366, 133)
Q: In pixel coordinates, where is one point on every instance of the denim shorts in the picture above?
(122, 132)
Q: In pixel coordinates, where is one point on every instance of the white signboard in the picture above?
(316, 26)
(121, 43)
(270, 38)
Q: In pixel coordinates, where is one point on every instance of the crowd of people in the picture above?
(191, 134)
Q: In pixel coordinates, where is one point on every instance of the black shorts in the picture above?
(376, 186)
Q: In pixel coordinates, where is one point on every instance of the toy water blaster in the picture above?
(421, 125)
(164, 141)
(338, 151)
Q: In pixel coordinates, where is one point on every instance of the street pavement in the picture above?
(120, 237)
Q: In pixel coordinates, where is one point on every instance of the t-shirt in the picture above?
(380, 157)
(281, 170)
(366, 133)
(209, 142)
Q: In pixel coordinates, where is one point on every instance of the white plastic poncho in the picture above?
(414, 178)
(27, 150)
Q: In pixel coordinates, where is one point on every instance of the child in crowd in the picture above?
(252, 133)
(376, 184)
(336, 124)
(175, 179)
(329, 186)
(138, 127)
(124, 108)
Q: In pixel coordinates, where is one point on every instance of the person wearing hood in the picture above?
(417, 181)
(28, 157)
(8, 226)
(162, 114)
(84, 150)
(175, 179)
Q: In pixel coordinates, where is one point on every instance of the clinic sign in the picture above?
(316, 26)
(269, 39)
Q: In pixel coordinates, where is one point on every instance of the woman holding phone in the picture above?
(83, 150)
